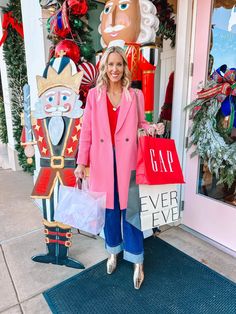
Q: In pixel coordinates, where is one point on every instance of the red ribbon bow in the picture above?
(226, 85)
(8, 19)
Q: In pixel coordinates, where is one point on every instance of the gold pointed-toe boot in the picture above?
(138, 275)
(111, 263)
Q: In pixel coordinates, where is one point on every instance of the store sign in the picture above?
(159, 205)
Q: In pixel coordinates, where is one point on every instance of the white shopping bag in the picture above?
(159, 205)
(81, 209)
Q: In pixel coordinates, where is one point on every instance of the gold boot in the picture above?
(111, 263)
(138, 275)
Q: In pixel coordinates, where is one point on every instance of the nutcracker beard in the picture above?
(56, 129)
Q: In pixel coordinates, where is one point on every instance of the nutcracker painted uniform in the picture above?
(56, 130)
(135, 23)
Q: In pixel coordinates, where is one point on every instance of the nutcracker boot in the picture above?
(57, 236)
(64, 242)
(138, 275)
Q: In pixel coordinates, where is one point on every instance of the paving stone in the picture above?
(7, 296)
(18, 212)
(31, 278)
(36, 305)
(13, 310)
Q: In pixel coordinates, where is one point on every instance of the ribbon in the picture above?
(224, 90)
(226, 84)
(8, 19)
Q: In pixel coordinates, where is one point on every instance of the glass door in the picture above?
(210, 208)
(222, 51)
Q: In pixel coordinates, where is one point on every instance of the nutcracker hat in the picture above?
(61, 72)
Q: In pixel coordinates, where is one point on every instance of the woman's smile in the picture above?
(115, 67)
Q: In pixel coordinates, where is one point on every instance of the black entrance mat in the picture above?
(174, 283)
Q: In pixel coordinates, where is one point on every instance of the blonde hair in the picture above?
(103, 79)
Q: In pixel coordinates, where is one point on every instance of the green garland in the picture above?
(3, 124)
(210, 140)
(14, 55)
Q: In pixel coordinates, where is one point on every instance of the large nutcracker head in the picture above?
(58, 90)
(133, 21)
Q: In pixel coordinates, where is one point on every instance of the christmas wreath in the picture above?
(167, 26)
(213, 124)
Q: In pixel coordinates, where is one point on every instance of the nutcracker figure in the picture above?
(135, 22)
(56, 128)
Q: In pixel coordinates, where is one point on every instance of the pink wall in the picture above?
(212, 218)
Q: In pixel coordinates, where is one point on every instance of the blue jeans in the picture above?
(132, 241)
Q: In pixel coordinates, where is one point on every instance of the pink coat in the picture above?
(95, 145)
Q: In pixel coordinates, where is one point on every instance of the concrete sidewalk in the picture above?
(21, 236)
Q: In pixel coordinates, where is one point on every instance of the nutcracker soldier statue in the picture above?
(135, 22)
(56, 128)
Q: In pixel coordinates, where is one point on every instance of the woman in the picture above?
(108, 144)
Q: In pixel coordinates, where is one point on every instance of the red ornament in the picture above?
(68, 48)
(78, 7)
(90, 74)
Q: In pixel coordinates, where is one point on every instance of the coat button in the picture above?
(126, 139)
(101, 140)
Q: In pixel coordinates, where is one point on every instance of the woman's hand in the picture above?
(158, 129)
(80, 172)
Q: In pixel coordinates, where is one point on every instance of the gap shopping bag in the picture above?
(159, 205)
(157, 162)
(151, 206)
(81, 209)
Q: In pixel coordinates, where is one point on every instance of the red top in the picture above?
(112, 116)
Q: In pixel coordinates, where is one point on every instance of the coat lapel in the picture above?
(125, 105)
(103, 114)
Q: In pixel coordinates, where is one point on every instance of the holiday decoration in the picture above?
(3, 124)
(88, 80)
(77, 24)
(137, 25)
(70, 22)
(14, 55)
(68, 48)
(90, 74)
(50, 5)
(70, 33)
(213, 127)
(59, 22)
(56, 127)
(167, 27)
(78, 7)
(8, 20)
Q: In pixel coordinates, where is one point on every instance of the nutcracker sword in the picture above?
(27, 114)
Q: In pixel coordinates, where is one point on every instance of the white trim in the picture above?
(181, 79)
(183, 38)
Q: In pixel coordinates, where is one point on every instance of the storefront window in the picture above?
(222, 51)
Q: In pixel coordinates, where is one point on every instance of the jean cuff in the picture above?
(114, 249)
(133, 258)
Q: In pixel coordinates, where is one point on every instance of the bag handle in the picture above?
(85, 184)
(142, 132)
(77, 184)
